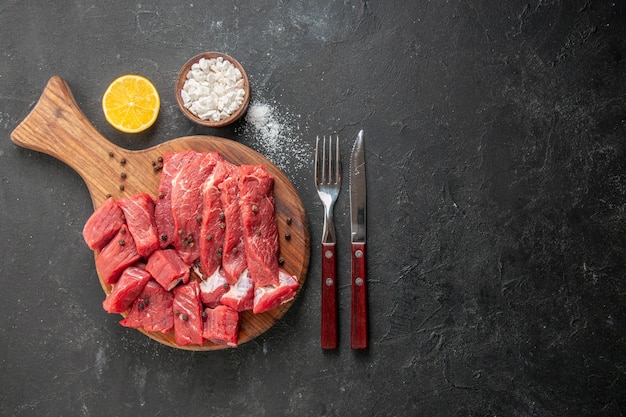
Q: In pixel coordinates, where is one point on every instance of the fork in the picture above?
(328, 184)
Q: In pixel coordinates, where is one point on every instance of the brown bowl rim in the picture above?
(182, 76)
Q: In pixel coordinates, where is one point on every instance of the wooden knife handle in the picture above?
(358, 310)
(329, 297)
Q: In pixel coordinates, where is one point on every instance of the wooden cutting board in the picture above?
(56, 126)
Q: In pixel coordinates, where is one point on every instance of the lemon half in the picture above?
(131, 103)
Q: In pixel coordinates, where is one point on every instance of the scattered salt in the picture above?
(213, 89)
(277, 136)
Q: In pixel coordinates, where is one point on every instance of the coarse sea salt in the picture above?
(214, 89)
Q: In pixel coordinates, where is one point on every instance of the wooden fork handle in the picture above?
(329, 297)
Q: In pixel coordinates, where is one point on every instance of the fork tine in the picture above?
(337, 161)
(317, 161)
(332, 164)
(329, 164)
(325, 167)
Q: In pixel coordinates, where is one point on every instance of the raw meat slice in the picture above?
(260, 231)
(126, 290)
(167, 268)
(116, 256)
(187, 311)
(103, 224)
(213, 219)
(233, 251)
(187, 204)
(221, 325)
(139, 215)
(271, 296)
(152, 310)
(240, 295)
(164, 219)
(212, 288)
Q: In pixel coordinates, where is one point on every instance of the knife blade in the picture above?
(358, 307)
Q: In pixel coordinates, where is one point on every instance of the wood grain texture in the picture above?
(56, 126)
(328, 337)
(358, 303)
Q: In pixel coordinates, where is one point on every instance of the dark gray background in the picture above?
(496, 164)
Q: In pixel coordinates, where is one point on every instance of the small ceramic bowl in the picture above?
(182, 77)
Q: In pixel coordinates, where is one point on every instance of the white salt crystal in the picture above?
(213, 84)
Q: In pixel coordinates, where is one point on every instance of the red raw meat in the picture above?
(233, 251)
(213, 219)
(187, 204)
(240, 295)
(212, 288)
(116, 256)
(103, 224)
(269, 297)
(187, 309)
(164, 219)
(152, 310)
(126, 290)
(221, 325)
(260, 231)
(139, 215)
(167, 268)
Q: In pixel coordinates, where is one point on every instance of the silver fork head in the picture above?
(328, 181)
(327, 162)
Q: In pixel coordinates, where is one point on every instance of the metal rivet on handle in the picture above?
(329, 281)
(358, 253)
(358, 281)
(328, 254)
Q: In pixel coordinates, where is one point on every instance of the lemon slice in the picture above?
(131, 103)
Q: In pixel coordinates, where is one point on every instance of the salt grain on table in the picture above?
(275, 135)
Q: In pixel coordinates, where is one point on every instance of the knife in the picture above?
(358, 308)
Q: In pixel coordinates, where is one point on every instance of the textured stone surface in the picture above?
(495, 144)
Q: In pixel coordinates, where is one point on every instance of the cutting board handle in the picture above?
(56, 126)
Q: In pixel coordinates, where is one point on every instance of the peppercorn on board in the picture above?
(57, 127)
